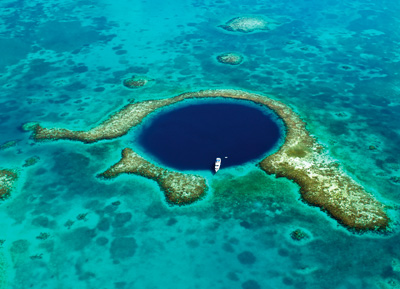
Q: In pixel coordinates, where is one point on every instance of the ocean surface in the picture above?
(62, 63)
(192, 135)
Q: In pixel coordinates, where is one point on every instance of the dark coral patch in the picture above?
(298, 235)
(102, 241)
(230, 58)
(246, 258)
(121, 219)
(123, 247)
(31, 161)
(80, 69)
(136, 81)
(251, 284)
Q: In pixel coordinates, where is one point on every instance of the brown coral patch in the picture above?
(230, 58)
(7, 181)
(135, 82)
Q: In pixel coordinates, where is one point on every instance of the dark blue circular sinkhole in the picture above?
(191, 135)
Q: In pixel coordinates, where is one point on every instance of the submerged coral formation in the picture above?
(179, 188)
(7, 182)
(298, 235)
(230, 58)
(31, 161)
(136, 81)
(323, 183)
(29, 126)
(246, 24)
(8, 144)
(395, 180)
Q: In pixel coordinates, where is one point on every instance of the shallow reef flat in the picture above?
(179, 188)
(323, 183)
(7, 182)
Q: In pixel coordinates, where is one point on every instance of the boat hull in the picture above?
(217, 164)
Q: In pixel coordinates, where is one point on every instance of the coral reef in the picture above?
(116, 203)
(230, 58)
(29, 126)
(246, 24)
(395, 180)
(68, 224)
(323, 183)
(82, 217)
(7, 182)
(117, 125)
(179, 188)
(298, 235)
(136, 81)
(31, 161)
(43, 236)
(8, 144)
(36, 256)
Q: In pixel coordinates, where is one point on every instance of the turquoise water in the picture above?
(336, 63)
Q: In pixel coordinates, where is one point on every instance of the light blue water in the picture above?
(62, 64)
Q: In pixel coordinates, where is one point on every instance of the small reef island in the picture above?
(7, 182)
(230, 58)
(248, 24)
(136, 81)
(301, 159)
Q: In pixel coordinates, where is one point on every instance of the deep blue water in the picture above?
(62, 63)
(191, 137)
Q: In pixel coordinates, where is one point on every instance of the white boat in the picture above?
(217, 164)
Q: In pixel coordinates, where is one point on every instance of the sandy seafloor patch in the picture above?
(62, 63)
